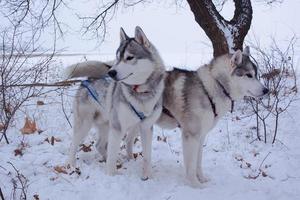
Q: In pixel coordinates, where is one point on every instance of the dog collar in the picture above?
(135, 88)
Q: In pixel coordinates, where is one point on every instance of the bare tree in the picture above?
(19, 64)
(225, 35)
(278, 73)
(23, 59)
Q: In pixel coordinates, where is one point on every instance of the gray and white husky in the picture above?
(194, 100)
(130, 101)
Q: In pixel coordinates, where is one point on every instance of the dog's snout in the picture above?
(265, 90)
(112, 73)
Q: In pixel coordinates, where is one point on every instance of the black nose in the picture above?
(266, 91)
(112, 73)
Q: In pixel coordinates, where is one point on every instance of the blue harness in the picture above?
(94, 94)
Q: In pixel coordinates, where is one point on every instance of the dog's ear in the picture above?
(236, 58)
(141, 38)
(246, 51)
(123, 35)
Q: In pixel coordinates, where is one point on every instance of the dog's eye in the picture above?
(129, 58)
(249, 75)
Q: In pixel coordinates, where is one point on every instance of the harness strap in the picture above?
(87, 84)
(226, 94)
(141, 115)
(212, 104)
(94, 94)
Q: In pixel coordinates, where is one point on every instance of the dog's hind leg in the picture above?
(190, 147)
(200, 174)
(101, 144)
(146, 139)
(80, 130)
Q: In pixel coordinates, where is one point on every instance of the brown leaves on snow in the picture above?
(29, 127)
(60, 169)
(20, 150)
(86, 148)
(1, 126)
(52, 140)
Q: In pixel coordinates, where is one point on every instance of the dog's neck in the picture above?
(217, 75)
(144, 97)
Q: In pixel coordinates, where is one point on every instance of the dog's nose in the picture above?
(112, 73)
(266, 91)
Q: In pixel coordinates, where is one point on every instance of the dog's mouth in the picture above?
(122, 79)
(255, 96)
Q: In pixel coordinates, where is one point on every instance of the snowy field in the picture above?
(239, 166)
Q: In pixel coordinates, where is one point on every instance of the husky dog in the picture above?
(196, 100)
(130, 101)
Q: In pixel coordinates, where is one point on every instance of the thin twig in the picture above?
(1, 194)
(56, 84)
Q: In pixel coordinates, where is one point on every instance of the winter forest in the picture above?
(251, 151)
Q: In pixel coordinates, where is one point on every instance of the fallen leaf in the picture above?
(60, 169)
(52, 140)
(18, 152)
(1, 126)
(264, 174)
(47, 140)
(40, 103)
(248, 164)
(85, 148)
(29, 127)
(159, 138)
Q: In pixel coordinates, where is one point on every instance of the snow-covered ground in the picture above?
(239, 166)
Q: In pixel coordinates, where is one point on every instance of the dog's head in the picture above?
(135, 62)
(244, 75)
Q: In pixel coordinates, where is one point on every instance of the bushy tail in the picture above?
(91, 69)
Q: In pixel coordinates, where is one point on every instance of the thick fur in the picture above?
(196, 100)
(91, 69)
(136, 82)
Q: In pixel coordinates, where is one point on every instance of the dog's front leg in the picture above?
(113, 146)
(146, 139)
(190, 147)
(202, 178)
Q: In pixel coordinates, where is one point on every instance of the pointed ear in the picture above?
(123, 35)
(246, 51)
(141, 38)
(236, 58)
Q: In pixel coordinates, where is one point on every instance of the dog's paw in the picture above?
(144, 178)
(195, 183)
(102, 159)
(203, 179)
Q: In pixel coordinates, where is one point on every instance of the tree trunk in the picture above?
(225, 36)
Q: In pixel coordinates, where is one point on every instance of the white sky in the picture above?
(174, 32)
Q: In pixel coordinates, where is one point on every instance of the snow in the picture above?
(231, 154)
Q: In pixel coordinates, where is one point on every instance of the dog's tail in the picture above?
(91, 69)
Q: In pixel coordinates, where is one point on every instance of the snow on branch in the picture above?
(225, 35)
